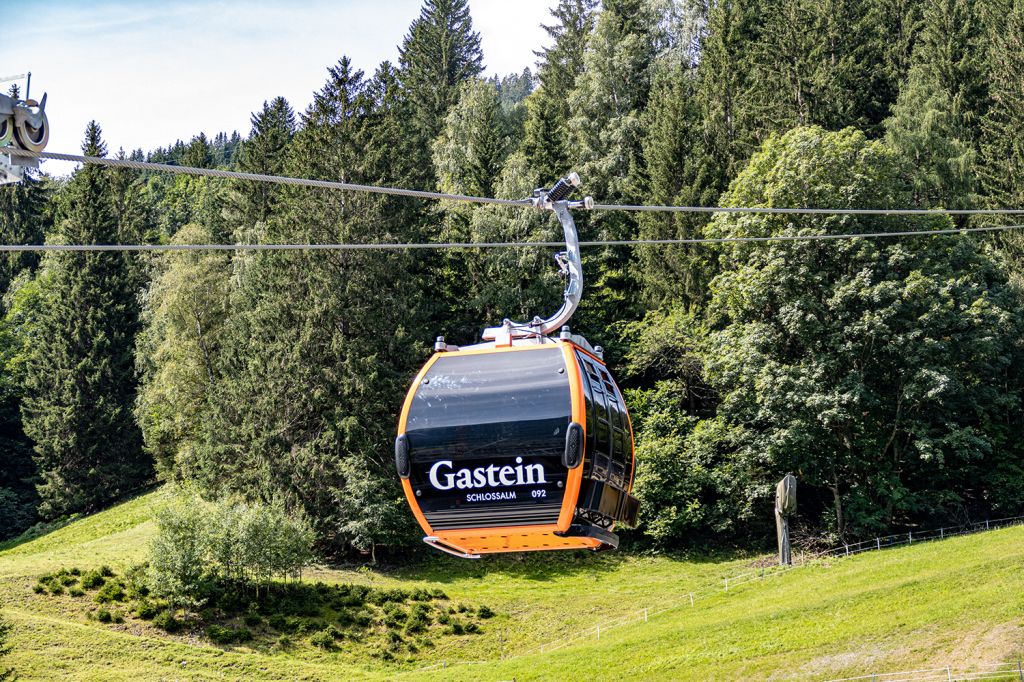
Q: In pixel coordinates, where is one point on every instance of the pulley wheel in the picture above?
(31, 138)
(6, 130)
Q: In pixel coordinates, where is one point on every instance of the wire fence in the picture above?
(691, 599)
(992, 671)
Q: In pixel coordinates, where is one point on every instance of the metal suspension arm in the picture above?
(555, 199)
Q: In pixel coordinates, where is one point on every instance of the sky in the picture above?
(152, 73)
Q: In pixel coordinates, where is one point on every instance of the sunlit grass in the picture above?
(956, 601)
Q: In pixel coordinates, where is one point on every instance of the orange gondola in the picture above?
(523, 442)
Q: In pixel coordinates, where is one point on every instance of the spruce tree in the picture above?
(80, 376)
(606, 143)
(263, 152)
(440, 52)
(936, 123)
(545, 139)
(318, 347)
(1002, 145)
(672, 147)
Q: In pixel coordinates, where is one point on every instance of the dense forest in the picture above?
(887, 374)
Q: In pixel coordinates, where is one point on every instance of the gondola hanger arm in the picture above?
(556, 200)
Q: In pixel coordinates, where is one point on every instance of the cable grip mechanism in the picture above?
(554, 199)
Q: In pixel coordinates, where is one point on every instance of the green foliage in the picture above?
(226, 635)
(168, 622)
(1002, 149)
(5, 631)
(936, 122)
(874, 370)
(80, 381)
(198, 543)
(184, 313)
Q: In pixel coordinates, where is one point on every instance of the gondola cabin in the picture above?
(517, 446)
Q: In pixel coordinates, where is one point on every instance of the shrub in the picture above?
(485, 612)
(472, 628)
(56, 589)
(322, 640)
(5, 630)
(104, 616)
(76, 592)
(111, 592)
(456, 628)
(166, 621)
(438, 594)
(39, 588)
(278, 622)
(419, 618)
(146, 610)
(224, 635)
(75, 571)
(284, 642)
(106, 571)
(253, 619)
(92, 580)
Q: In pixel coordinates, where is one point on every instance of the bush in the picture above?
(92, 580)
(5, 631)
(166, 621)
(322, 640)
(146, 610)
(104, 616)
(76, 592)
(111, 592)
(224, 635)
(485, 612)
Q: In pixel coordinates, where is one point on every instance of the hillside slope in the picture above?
(956, 601)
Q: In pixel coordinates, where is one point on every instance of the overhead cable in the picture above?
(496, 245)
(443, 196)
(260, 177)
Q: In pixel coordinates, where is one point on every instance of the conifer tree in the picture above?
(315, 351)
(264, 152)
(605, 134)
(469, 152)
(936, 123)
(80, 378)
(545, 138)
(440, 51)
(1002, 145)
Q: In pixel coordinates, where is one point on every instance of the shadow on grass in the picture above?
(537, 566)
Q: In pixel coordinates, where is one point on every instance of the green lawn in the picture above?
(960, 601)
